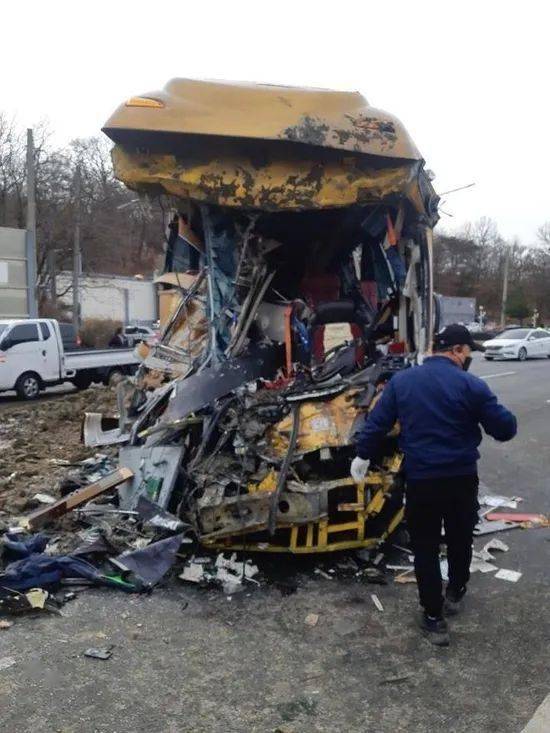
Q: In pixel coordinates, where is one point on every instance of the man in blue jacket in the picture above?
(440, 408)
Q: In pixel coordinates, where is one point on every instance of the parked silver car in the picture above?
(518, 343)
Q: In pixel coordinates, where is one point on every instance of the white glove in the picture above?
(359, 468)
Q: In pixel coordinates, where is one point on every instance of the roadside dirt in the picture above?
(39, 442)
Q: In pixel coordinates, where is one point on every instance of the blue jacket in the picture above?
(440, 408)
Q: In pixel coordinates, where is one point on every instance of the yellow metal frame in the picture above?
(322, 536)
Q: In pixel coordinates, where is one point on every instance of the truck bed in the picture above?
(97, 358)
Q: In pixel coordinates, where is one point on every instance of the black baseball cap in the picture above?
(455, 335)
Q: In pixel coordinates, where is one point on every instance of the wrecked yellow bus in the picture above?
(288, 211)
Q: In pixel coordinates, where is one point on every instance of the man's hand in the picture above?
(359, 468)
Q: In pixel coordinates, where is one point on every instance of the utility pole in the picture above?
(77, 258)
(30, 243)
(505, 286)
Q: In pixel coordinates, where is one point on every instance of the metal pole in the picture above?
(77, 259)
(30, 238)
(505, 287)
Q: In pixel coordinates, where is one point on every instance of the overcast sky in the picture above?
(469, 80)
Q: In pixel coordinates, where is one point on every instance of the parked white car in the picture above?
(519, 343)
(136, 334)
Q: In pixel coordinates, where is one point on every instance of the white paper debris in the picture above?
(7, 662)
(496, 544)
(376, 601)
(192, 573)
(512, 575)
(238, 567)
(230, 582)
(482, 566)
(494, 500)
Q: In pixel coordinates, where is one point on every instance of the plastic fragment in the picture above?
(376, 601)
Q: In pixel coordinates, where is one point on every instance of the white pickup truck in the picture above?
(32, 358)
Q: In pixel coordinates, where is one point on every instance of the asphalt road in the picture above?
(191, 661)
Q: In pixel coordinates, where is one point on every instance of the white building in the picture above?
(116, 297)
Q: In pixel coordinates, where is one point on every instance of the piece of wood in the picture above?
(77, 498)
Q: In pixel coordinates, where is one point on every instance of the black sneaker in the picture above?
(436, 629)
(453, 601)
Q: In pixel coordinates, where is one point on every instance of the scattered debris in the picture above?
(71, 501)
(44, 498)
(100, 653)
(373, 575)
(7, 662)
(322, 573)
(37, 597)
(151, 563)
(485, 552)
(376, 601)
(6, 624)
(494, 500)
(512, 575)
(193, 572)
(486, 527)
(396, 679)
(406, 577)
(229, 573)
(482, 566)
(311, 619)
(529, 520)
(496, 544)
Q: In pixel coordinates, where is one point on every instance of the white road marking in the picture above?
(500, 374)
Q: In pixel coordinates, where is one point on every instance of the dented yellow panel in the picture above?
(277, 185)
(320, 117)
(322, 425)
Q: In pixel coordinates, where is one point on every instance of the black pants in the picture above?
(451, 502)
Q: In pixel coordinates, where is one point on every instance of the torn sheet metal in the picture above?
(151, 563)
(485, 527)
(199, 390)
(154, 473)
(95, 433)
(154, 515)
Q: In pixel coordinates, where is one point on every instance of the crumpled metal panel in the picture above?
(280, 184)
(320, 117)
(323, 424)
